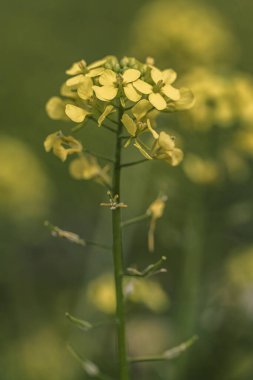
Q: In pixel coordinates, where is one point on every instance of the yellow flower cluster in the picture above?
(139, 91)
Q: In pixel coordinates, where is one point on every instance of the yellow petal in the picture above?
(165, 141)
(108, 78)
(85, 90)
(60, 151)
(186, 101)
(75, 113)
(143, 87)
(95, 72)
(129, 124)
(55, 108)
(156, 75)
(140, 109)
(73, 146)
(75, 81)
(76, 68)
(172, 92)
(67, 91)
(131, 75)
(98, 63)
(157, 101)
(51, 139)
(108, 109)
(131, 93)
(105, 93)
(169, 76)
(142, 150)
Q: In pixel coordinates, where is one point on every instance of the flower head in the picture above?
(98, 90)
(112, 83)
(161, 89)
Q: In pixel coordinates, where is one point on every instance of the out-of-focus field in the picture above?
(206, 231)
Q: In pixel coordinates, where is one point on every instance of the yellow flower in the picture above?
(81, 68)
(87, 167)
(82, 75)
(199, 170)
(112, 82)
(137, 123)
(101, 294)
(162, 88)
(164, 147)
(62, 145)
(155, 210)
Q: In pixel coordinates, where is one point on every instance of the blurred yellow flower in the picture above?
(155, 210)
(239, 268)
(221, 100)
(184, 32)
(87, 167)
(61, 145)
(101, 293)
(23, 197)
(199, 170)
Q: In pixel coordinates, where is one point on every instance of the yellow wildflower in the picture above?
(62, 145)
(137, 123)
(161, 89)
(112, 82)
(199, 170)
(87, 167)
(164, 147)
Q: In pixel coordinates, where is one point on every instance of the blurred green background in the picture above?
(206, 231)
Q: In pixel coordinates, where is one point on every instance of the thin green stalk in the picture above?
(137, 219)
(118, 260)
(134, 162)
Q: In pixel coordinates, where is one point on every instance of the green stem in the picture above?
(118, 261)
(134, 162)
(137, 219)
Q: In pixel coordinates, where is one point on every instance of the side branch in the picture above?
(134, 163)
